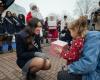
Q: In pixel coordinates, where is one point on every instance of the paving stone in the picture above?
(10, 71)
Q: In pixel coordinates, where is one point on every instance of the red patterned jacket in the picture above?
(74, 51)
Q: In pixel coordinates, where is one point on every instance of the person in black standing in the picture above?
(65, 35)
(45, 33)
(21, 19)
(10, 29)
(59, 25)
(16, 22)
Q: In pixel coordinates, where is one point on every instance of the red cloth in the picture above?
(52, 33)
(28, 17)
(74, 52)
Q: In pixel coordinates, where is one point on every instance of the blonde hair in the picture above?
(79, 24)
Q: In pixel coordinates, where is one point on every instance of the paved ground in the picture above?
(10, 71)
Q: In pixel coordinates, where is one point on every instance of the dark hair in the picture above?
(33, 23)
(65, 16)
(23, 17)
(7, 13)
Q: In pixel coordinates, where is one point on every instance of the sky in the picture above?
(50, 6)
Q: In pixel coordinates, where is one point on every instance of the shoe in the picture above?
(31, 76)
(1, 51)
(10, 49)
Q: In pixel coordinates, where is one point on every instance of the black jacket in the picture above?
(67, 36)
(9, 25)
(19, 24)
(2, 29)
(24, 53)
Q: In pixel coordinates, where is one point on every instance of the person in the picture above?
(59, 25)
(2, 30)
(4, 4)
(9, 29)
(34, 13)
(28, 49)
(88, 65)
(97, 21)
(77, 30)
(16, 22)
(21, 20)
(53, 33)
(45, 32)
(63, 22)
(46, 23)
(65, 35)
(91, 22)
(96, 18)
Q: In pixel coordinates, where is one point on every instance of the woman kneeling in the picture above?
(29, 56)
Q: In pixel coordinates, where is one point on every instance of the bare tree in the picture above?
(69, 16)
(85, 7)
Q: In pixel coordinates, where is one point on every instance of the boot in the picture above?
(47, 41)
(31, 76)
(1, 51)
(10, 49)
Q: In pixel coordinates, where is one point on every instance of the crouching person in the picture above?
(29, 56)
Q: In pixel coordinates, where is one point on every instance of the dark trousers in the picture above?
(1, 41)
(9, 42)
(64, 75)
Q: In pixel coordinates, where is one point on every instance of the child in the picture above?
(77, 29)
